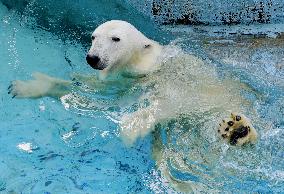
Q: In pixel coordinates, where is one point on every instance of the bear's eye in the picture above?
(115, 39)
(93, 37)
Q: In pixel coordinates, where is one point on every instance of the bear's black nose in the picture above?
(94, 61)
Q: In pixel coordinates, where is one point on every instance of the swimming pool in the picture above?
(48, 147)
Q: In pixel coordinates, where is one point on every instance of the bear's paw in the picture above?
(237, 130)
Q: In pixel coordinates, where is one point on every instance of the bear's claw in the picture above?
(12, 89)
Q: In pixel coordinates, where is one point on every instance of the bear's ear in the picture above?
(146, 46)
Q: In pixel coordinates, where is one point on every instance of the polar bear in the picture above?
(119, 50)
(175, 83)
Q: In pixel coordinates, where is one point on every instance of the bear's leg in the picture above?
(136, 125)
(139, 123)
(42, 85)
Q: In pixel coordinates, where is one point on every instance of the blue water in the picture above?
(77, 149)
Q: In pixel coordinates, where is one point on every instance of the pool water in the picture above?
(48, 146)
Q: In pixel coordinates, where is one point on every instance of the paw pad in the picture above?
(237, 130)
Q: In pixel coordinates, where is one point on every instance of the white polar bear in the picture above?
(184, 83)
(179, 84)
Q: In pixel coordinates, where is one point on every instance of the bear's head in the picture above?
(119, 44)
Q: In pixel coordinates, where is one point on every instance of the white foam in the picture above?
(27, 147)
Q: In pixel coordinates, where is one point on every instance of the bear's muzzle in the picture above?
(94, 62)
